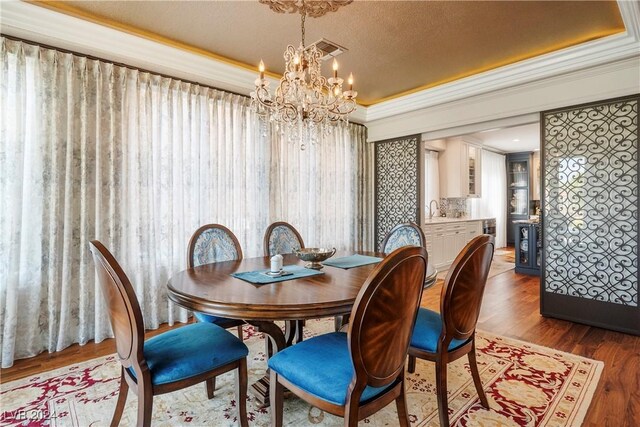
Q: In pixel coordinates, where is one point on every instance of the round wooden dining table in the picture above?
(211, 289)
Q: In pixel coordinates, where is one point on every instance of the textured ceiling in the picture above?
(394, 47)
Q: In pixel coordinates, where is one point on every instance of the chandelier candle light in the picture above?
(305, 104)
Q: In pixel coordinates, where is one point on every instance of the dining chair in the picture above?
(214, 243)
(408, 234)
(281, 238)
(354, 374)
(171, 361)
(446, 336)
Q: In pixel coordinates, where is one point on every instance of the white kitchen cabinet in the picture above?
(460, 168)
(460, 242)
(456, 237)
(474, 229)
(434, 236)
(437, 252)
(444, 240)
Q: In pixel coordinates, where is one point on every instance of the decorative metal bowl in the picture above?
(314, 256)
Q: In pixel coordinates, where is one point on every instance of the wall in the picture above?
(519, 103)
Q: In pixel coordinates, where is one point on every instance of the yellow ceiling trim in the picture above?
(513, 60)
(67, 9)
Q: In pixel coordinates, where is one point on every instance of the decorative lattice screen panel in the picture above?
(397, 169)
(590, 213)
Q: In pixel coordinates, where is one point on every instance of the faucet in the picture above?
(437, 208)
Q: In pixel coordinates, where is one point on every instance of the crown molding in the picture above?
(602, 82)
(36, 23)
(42, 25)
(630, 12)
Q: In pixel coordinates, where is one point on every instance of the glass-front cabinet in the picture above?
(460, 166)
(518, 191)
(528, 248)
(473, 169)
(523, 245)
(518, 201)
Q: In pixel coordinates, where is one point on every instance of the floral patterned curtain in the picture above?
(92, 150)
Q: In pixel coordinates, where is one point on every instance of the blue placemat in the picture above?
(258, 277)
(352, 261)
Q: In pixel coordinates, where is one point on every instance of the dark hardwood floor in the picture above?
(510, 308)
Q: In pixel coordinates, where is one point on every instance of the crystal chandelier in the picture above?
(305, 104)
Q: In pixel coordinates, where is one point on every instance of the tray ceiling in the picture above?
(394, 47)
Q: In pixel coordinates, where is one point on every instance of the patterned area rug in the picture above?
(527, 385)
(498, 266)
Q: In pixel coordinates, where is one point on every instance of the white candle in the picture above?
(276, 263)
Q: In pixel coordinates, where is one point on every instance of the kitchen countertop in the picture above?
(445, 219)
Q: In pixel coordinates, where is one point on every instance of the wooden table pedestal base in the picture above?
(276, 341)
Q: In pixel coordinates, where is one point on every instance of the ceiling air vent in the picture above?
(328, 48)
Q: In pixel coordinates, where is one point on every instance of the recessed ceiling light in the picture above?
(516, 140)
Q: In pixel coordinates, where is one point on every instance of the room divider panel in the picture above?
(397, 186)
(590, 214)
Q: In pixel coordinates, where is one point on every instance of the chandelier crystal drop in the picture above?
(305, 105)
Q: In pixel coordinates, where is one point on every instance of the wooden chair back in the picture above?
(384, 315)
(287, 228)
(124, 311)
(463, 289)
(207, 232)
(405, 234)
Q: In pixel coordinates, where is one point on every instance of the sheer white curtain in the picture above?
(323, 191)
(90, 150)
(493, 202)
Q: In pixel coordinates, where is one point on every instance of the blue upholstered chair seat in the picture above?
(189, 351)
(321, 366)
(208, 318)
(427, 331)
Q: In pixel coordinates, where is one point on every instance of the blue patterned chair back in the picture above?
(281, 238)
(403, 235)
(212, 243)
